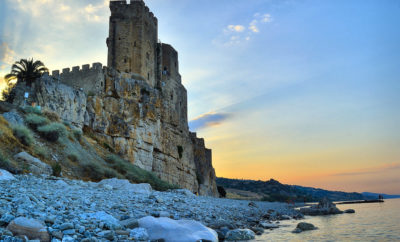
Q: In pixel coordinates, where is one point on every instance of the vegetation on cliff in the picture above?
(24, 70)
(67, 150)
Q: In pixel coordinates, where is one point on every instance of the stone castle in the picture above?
(137, 104)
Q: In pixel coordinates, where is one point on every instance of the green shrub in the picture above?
(52, 131)
(92, 170)
(77, 134)
(52, 116)
(4, 162)
(56, 169)
(117, 163)
(108, 147)
(34, 121)
(23, 134)
(41, 152)
(30, 109)
(74, 157)
(137, 174)
(109, 173)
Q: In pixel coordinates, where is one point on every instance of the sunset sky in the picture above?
(305, 92)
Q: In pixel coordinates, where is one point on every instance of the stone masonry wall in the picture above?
(89, 79)
(132, 41)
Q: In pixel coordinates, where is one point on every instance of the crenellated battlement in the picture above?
(89, 79)
(76, 69)
(124, 8)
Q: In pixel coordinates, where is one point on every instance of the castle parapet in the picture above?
(90, 79)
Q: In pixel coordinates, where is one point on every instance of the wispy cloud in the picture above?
(7, 55)
(239, 33)
(369, 171)
(208, 120)
(236, 28)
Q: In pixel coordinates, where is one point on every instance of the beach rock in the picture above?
(219, 223)
(252, 204)
(303, 226)
(36, 166)
(239, 234)
(143, 188)
(6, 176)
(324, 207)
(266, 225)
(62, 184)
(66, 226)
(139, 234)
(185, 192)
(349, 211)
(258, 230)
(31, 228)
(108, 220)
(6, 219)
(130, 223)
(176, 230)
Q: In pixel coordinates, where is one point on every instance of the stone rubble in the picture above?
(74, 210)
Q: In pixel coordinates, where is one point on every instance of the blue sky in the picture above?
(295, 90)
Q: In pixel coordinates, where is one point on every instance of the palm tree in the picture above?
(26, 71)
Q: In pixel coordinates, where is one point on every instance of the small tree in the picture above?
(26, 71)
(8, 93)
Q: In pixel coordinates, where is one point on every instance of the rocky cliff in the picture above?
(136, 121)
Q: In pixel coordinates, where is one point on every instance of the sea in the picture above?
(371, 222)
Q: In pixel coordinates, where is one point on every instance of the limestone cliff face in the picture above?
(142, 124)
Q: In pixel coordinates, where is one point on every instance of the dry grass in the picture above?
(52, 116)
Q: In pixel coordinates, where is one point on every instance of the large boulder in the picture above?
(324, 207)
(6, 176)
(303, 226)
(170, 230)
(266, 225)
(139, 234)
(35, 165)
(240, 234)
(13, 118)
(31, 228)
(122, 184)
(349, 210)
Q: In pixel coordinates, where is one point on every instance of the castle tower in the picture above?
(132, 41)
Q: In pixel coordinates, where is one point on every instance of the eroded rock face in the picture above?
(148, 127)
(49, 93)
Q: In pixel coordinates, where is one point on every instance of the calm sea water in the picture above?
(371, 222)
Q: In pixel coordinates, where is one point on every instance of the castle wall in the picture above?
(170, 64)
(132, 41)
(137, 104)
(90, 79)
